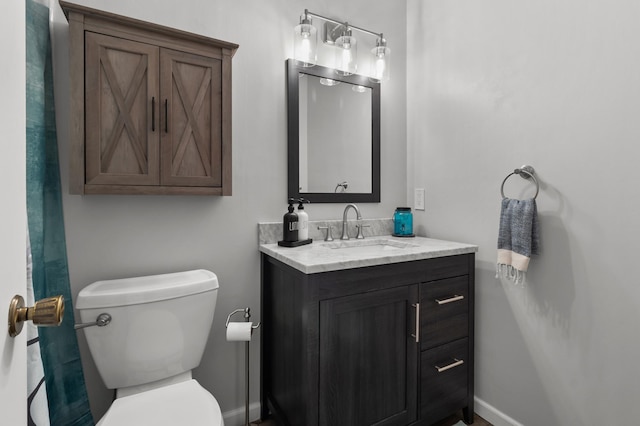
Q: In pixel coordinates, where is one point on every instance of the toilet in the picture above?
(157, 335)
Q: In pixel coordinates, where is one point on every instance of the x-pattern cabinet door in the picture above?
(191, 131)
(121, 89)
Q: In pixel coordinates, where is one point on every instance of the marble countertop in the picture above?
(321, 256)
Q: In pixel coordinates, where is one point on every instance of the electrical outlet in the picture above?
(418, 198)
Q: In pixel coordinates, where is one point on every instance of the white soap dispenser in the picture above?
(303, 221)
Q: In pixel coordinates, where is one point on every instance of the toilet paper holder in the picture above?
(247, 315)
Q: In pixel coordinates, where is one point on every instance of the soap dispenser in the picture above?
(303, 221)
(291, 226)
(290, 223)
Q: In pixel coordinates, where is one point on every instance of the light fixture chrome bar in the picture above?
(346, 24)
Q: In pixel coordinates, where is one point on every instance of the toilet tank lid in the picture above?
(151, 288)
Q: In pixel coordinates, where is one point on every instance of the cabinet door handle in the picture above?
(456, 362)
(449, 300)
(417, 335)
(153, 114)
(166, 116)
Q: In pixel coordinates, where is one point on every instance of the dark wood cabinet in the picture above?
(150, 107)
(384, 345)
(365, 346)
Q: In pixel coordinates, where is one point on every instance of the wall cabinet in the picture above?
(383, 345)
(150, 107)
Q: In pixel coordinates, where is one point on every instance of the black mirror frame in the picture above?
(293, 159)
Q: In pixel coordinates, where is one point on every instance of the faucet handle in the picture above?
(360, 236)
(328, 236)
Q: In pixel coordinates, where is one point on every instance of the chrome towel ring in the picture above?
(525, 172)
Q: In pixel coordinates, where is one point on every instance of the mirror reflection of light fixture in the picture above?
(305, 41)
(329, 82)
(340, 35)
(359, 89)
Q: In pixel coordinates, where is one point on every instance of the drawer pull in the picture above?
(456, 362)
(449, 300)
(417, 335)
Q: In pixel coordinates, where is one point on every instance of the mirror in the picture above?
(333, 136)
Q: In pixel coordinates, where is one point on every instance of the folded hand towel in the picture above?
(517, 238)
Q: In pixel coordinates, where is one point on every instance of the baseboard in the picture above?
(485, 410)
(492, 414)
(236, 417)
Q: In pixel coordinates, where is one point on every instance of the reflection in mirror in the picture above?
(334, 136)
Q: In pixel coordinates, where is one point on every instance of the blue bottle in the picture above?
(403, 222)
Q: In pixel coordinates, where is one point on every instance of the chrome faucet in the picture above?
(345, 234)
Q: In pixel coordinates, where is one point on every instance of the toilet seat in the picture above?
(181, 403)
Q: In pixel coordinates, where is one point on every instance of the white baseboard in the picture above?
(493, 415)
(236, 417)
(488, 412)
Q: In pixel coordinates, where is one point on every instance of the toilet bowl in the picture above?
(157, 335)
(185, 403)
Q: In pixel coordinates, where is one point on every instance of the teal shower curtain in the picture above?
(66, 392)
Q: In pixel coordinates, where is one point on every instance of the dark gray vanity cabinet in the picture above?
(385, 345)
(367, 366)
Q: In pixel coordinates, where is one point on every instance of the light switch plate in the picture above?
(418, 198)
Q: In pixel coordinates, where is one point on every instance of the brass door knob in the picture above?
(46, 312)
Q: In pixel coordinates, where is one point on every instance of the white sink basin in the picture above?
(369, 244)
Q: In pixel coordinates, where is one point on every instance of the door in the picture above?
(13, 223)
(191, 88)
(368, 359)
(121, 110)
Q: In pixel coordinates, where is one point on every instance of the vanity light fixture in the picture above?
(340, 35)
(380, 61)
(346, 53)
(305, 41)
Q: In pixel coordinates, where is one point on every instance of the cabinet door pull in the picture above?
(417, 335)
(166, 116)
(449, 300)
(153, 114)
(456, 362)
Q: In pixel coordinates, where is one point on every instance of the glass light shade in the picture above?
(380, 64)
(305, 41)
(346, 55)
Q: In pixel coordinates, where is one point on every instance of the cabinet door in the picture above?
(191, 88)
(368, 359)
(121, 87)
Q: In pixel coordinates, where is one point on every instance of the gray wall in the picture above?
(496, 84)
(121, 236)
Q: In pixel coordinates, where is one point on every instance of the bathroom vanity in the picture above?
(362, 332)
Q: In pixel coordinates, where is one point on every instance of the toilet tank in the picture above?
(159, 326)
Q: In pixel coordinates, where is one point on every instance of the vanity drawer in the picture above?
(444, 380)
(444, 311)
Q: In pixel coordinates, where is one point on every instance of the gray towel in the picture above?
(518, 238)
